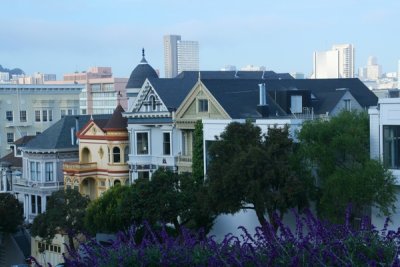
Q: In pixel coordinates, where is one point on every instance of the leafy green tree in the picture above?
(173, 198)
(65, 213)
(198, 160)
(11, 213)
(337, 150)
(112, 211)
(252, 171)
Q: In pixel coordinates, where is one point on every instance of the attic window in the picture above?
(153, 103)
(203, 105)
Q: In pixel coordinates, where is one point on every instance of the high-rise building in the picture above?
(335, 63)
(180, 55)
(171, 55)
(188, 56)
(346, 60)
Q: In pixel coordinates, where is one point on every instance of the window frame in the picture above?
(9, 115)
(202, 105)
(49, 172)
(116, 154)
(148, 143)
(22, 116)
(9, 141)
(38, 116)
(165, 143)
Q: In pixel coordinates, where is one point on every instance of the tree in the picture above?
(173, 198)
(198, 160)
(252, 171)
(167, 198)
(65, 213)
(11, 213)
(337, 150)
(112, 211)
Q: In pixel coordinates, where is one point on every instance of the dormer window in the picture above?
(296, 104)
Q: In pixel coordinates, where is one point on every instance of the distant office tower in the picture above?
(179, 55)
(188, 56)
(346, 60)
(171, 55)
(335, 63)
(326, 64)
(372, 72)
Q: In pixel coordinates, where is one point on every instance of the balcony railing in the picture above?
(185, 159)
(76, 166)
(23, 182)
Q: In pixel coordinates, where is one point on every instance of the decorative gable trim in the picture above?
(90, 130)
(199, 88)
(148, 97)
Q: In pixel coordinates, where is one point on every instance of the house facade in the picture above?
(385, 146)
(103, 156)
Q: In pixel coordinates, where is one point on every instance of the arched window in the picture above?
(153, 103)
(116, 155)
(126, 154)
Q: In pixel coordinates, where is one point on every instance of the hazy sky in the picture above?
(59, 36)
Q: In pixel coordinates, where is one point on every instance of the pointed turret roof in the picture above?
(117, 122)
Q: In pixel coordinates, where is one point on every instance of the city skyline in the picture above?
(66, 36)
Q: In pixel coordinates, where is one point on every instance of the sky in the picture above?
(63, 36)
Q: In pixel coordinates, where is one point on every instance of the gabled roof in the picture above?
(173, 91)
(319, 87)
(240, 97)
(256, 75)
(58, 136)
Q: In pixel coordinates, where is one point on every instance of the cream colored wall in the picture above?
(49, 256)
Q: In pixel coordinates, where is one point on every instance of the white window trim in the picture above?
(148, 142)
(45, 171)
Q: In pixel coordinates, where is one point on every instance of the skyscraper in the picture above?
(179, 55)
(171, 55)
(335, 63)
(346, 60)
(188, 55)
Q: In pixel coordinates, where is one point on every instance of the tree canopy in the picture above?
(11, 213)
(337, 150)
(167, 197)
(112, 211)
(253, 171)
(65, 213)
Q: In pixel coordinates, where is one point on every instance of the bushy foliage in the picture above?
(337, 150)
(11, 213)
(312, 243)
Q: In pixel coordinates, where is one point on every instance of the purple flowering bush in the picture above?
(312, 243)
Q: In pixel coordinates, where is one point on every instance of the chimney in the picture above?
(263, 107)
(72, 135)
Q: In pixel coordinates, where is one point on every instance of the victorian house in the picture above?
(103, 156)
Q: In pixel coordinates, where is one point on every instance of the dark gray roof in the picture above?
(173, 91)
(257, 75)
(58, 136)
(365, 97)
(240, 97)
(140, 73)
